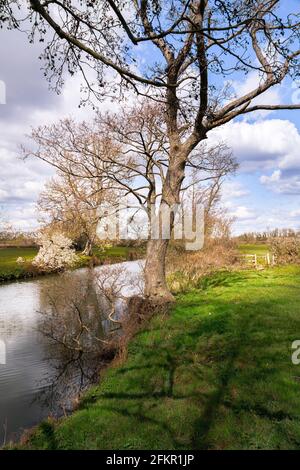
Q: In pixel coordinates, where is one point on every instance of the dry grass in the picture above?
(186, 268)
(286, 249)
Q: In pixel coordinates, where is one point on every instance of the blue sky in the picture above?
(264, 194)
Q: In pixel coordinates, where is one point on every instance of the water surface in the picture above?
(40, 376)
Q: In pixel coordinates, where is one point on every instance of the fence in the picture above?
(259, 260)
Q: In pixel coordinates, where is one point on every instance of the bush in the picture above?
(286, 250)
(187, 270)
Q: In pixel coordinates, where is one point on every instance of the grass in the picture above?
(215, 373)
(10, 270)
(253, 248)
(114, 253)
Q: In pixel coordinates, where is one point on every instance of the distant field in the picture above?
(114, 251)
(10, 270)
(254, 249)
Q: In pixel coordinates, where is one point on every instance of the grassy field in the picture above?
(253, 249)
(216, 373)
(10, 270)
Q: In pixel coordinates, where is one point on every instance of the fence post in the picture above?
(268, 259)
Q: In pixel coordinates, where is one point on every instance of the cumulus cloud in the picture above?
(261, 145)
(275, 176)
(268, 220)
(282, 183)
(29, 103)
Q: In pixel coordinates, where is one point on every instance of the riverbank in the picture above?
(10, 270)
(214, 373)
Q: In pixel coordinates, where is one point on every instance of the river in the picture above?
(41, 377)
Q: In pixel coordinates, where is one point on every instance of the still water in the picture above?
(42, 376)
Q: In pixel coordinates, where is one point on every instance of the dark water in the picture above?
(41, 377)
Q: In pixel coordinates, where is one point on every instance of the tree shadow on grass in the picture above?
(173, 353)
(209, 403)
(221, 279)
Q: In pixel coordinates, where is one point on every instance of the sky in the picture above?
(264, 194)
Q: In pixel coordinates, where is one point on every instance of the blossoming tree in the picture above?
(56, 253)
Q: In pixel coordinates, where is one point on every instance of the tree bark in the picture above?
(156, 287)
(88, 249)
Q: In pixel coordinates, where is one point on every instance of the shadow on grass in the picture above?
(196, 366)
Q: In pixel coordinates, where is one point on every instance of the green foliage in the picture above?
(214, 374)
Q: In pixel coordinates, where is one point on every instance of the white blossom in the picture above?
(55, 253)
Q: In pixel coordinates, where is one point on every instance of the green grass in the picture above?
(215, 373)
(253, 248)
(10, 270)
(114, 253)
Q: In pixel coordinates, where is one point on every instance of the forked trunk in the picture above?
(155, 272)
(88, 249)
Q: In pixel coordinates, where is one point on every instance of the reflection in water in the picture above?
(55, 329)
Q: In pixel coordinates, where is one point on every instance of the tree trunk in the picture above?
(88, 249)
(155, 274)
(156, 287)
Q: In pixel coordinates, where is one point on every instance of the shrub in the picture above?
(187, 270)
(286, 249)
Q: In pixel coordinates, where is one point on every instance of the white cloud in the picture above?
(243, 212)
(282, 181)
(233, 189)
(29, 103)
(286, 184)
(270, 97)
(261, 145)
(294, 214)
(275, 177)
(3, 194)
(22, 181)
(268, 220)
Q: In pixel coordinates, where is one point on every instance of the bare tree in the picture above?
(129, 152)
(4, 228)
(195, 44)
(70, 204)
